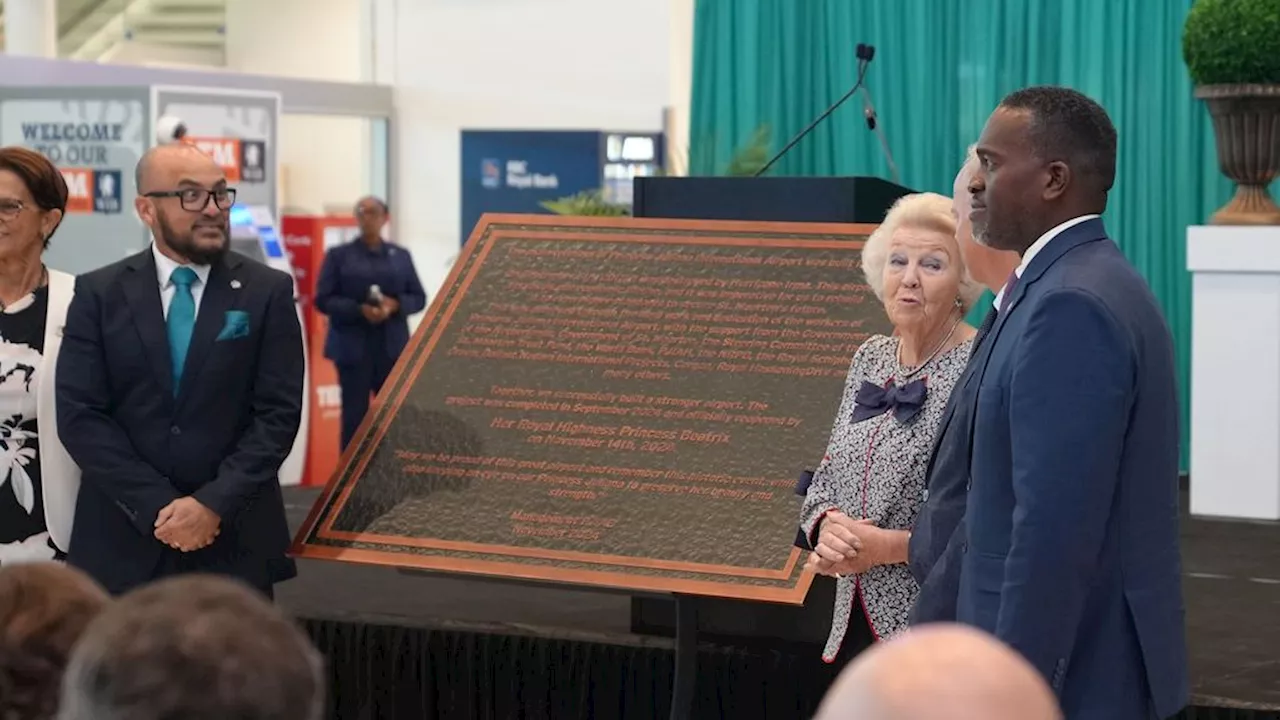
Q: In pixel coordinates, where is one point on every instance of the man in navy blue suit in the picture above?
(180, 393)
(1072, 553)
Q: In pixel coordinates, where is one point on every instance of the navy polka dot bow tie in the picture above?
(905, 401)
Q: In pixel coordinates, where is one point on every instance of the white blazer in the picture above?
(59, 474)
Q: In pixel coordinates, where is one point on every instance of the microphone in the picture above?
(864, 55)
(869, 112)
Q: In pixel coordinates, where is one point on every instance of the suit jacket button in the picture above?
(175, 430)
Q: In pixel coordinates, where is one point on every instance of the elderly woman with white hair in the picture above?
(863, 498)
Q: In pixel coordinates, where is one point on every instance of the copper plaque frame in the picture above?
(698, 535)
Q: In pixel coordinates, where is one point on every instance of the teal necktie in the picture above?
(181, 320)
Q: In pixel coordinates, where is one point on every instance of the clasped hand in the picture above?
(186, 525)
(378, 314)
(846, 546)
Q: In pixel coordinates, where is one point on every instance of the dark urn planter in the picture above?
(1246, 126)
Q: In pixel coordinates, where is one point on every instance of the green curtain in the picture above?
(941, 67)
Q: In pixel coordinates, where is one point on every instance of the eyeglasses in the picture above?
(10, 209)
(197, 199)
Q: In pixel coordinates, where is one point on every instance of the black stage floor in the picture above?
(1232, 591)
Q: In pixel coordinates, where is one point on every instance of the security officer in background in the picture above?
(368, 288)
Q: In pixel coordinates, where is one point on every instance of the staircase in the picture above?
(163, 32)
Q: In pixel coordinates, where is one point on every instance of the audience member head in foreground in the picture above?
(195, 647)
(44, 609)
(939, 672)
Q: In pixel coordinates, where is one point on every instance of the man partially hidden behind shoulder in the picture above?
(1072, 553)
(938, 536)
(180, 393)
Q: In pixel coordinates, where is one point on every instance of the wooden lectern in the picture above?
(779, 199)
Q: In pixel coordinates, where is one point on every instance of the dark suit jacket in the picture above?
(345, 278)
(222, 440)
(938, 536)
(1072, 521)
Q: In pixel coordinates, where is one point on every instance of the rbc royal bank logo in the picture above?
(94, 191)
(490, 173)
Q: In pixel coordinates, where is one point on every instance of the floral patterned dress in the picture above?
(24, 537)
(875, 468)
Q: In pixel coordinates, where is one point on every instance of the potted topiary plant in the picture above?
(1232, 52)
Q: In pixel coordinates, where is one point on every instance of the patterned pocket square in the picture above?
(235, 326)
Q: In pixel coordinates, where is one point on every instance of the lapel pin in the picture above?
(235, 284)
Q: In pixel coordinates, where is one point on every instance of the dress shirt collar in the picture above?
(166, 265)
(1039, 245)
(383, 248)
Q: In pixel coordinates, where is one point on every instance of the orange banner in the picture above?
(305, 241)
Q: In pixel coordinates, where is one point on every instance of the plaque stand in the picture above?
(405, 494)
(686, 675)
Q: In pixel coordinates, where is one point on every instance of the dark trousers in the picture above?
(359, 382)
(175, 562)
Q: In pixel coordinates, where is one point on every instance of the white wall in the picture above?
(680, 84)
(188, 57)
(455, 64)
(314, 39)
(324, 159)
(517, 64)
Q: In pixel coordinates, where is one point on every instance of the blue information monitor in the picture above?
(254, 233)
(514, 171)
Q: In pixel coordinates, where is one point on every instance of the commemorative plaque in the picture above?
(612, 402)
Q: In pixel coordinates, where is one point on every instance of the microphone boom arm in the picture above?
(874, 124)
(862, 72)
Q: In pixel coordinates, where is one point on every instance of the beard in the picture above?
(1012, 233)
(185, 243)
(979, 235)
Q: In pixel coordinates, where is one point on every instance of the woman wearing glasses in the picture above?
(38, 479)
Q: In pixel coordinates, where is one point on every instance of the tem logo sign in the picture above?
(93, 191)
(241, 160)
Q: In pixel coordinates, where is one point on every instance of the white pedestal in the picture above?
(1235, 371)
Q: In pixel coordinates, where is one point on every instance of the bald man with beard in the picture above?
(940, 672)
(180, 393)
